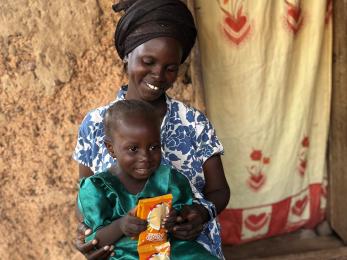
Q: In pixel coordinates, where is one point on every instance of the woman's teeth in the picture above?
(152, 86)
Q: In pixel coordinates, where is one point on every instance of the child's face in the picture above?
(136, 146)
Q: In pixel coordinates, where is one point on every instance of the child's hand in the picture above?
(132, 226)
(170, 220)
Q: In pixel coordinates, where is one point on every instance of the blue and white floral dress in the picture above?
(188, 140)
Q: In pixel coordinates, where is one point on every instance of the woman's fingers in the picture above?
(88, 248)
(85, 248)
(83, 229)
(82, 232)
(101, 253)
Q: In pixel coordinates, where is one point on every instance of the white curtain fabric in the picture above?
(267, 76)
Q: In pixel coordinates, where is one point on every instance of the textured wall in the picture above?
(57, 61)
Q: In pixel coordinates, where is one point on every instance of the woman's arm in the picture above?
(216, 187)
(192, 218)
(84, 171)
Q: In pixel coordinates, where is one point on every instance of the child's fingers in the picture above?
(137, 221)
(134, 230)
(136, 225)
(132, 212)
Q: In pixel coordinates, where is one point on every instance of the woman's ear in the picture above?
(125, 63)
(110, 149)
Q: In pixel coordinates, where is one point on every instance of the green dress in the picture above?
(103, 198)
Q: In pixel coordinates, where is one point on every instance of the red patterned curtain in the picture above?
(267, 76)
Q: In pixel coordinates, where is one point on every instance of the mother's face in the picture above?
(153, 67)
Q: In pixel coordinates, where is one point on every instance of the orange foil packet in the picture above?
(152, 240)
(155, 251)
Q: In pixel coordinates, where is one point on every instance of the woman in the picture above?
(153, 38)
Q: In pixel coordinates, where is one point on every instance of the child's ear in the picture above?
(110, 149)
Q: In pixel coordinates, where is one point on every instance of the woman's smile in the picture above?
(152, 87)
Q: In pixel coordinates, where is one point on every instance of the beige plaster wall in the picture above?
(57, 61)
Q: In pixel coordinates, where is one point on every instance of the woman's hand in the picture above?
(190, 221)
(88, 248)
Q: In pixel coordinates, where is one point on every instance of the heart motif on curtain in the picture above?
(255, 222)
(257, 181)
(299, 206)
(256, 169)
(302, 167)
(294, 18)
(236, 28)
(329, 11)
(235, 25)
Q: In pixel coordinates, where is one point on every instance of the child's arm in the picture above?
(99, 215)
(128, 225)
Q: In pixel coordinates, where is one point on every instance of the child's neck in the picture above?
(132, 185)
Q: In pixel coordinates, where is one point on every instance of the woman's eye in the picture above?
(172, 68)
(148, 61)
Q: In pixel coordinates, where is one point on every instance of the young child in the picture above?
(107, 200)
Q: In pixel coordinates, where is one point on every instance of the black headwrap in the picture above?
(147, 19)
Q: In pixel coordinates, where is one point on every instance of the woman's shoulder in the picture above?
(94, 118)
(186, 112)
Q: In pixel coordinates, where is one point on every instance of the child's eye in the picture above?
(154, 147)
(132, 148)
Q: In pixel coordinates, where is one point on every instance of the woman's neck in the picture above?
(159, 104)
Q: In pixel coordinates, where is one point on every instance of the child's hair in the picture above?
(127, 109)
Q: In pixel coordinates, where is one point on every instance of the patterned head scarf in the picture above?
(147, 19)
